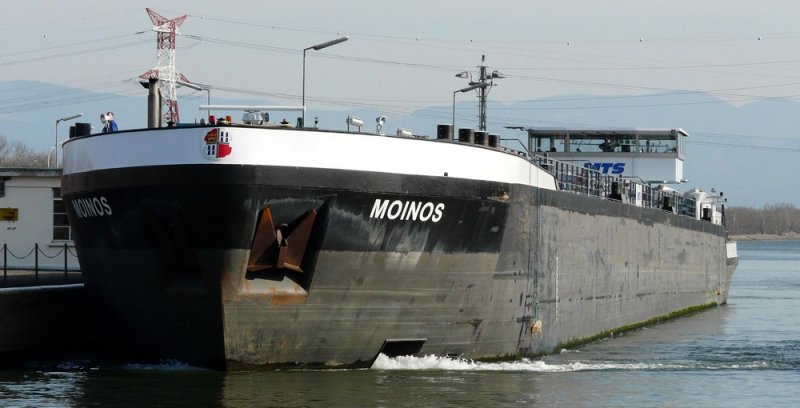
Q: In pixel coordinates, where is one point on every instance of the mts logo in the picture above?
(606, 168)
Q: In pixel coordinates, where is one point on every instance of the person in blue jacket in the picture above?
(109, 124)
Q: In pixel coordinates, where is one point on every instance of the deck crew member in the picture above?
(109, 124)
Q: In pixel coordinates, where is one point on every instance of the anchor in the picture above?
(281, 247)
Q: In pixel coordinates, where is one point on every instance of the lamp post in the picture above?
(315, 48)
(55, 145)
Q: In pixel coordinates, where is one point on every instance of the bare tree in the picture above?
(778, 219)
(18, 155)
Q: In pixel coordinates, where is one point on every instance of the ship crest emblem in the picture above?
(217, 144)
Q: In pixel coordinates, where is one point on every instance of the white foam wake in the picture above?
(449, 364)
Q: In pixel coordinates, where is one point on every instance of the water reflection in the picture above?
(372, 388)
(150, 387)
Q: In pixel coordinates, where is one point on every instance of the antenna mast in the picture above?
(165, 70)
(484, 83)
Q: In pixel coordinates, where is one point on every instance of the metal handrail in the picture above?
(587, 181)
(23, 275)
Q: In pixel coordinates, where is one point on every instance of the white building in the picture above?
(33, 216)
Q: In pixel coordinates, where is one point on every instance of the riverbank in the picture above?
(791, 236)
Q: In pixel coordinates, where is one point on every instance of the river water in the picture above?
(744, 354)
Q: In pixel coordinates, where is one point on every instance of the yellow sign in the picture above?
(9, 214)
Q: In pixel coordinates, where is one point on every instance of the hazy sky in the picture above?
(404, 54)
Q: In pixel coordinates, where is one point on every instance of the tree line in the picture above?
(776, 219)
(18, 155)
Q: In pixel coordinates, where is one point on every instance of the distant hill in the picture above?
(748, 151)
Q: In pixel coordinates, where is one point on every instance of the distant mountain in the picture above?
(747, 151)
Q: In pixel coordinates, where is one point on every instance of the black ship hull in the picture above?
(243, 265)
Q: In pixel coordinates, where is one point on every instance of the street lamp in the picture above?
(55, 146)
(315, 48)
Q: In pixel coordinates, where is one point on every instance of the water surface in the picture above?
(744, 354)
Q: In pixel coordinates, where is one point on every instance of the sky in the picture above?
(406, 53)
(402, 56)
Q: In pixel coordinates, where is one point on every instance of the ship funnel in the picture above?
(153, 104)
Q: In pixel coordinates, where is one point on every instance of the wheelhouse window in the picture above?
(655, 143)
(61, 230)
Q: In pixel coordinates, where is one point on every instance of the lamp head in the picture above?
(329, 43)
(69, 117)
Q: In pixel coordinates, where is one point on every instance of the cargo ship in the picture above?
(250, 244)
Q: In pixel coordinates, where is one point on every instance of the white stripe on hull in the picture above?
(302, 148)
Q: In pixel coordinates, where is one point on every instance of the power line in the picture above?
(523, 77)
(729, 135)
(463, 40)
(658, 67)
(748, 146)
(69, 54)
(67, 96)
(417, 65)
(77, 17)
(60, 47)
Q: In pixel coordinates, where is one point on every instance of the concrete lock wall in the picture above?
(43, 318)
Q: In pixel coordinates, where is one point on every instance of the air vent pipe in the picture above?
(482, 137)
(444, 132)
(466, 135)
